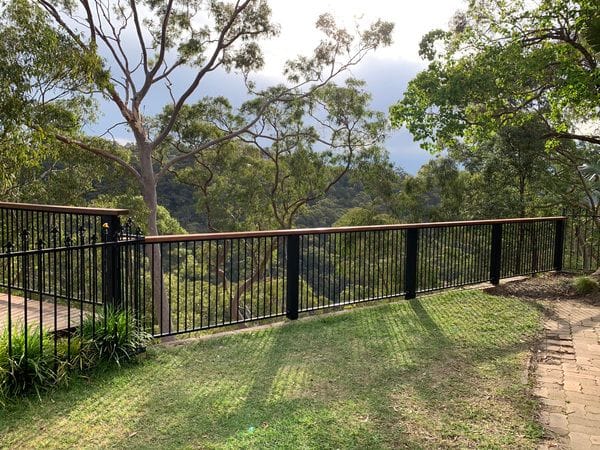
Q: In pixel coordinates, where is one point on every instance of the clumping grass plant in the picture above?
(111, 337)
(36, 362)
(585, 285)
(30, 364)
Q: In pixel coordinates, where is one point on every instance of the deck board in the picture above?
(65, 317)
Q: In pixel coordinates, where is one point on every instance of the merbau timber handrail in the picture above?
(65, 209)
(308, 231)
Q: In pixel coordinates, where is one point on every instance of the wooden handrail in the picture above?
(307, 231)
(65, 209)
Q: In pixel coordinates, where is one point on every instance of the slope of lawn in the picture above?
(440, 371)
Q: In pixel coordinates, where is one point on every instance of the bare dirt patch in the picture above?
(550, 286)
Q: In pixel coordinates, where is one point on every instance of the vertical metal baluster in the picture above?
(238, 273)
(252, 278)
(69, 284)
(163, 292)
(271, 290)
(231, 313)
(25, 275)
(313, 271)
(246, 278)
(201, 295)
(209, 284)
(194, 276)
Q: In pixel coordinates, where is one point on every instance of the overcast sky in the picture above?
(386, 71)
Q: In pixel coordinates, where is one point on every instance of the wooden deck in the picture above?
(33, 313)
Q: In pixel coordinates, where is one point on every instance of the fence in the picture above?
(196, 282)
(60, 267)
(582, 242)
(49, 225)
(27, 227)
(179, 284)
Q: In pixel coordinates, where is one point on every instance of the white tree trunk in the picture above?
(160, 300)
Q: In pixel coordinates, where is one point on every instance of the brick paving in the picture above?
(568, 376)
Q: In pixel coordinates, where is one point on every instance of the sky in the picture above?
(386, 71)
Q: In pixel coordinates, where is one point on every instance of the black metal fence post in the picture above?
(293, 276)
(496, 253)
(25, 276)
(410, 266)
(9, 324)
(559, 242)
(111, 262)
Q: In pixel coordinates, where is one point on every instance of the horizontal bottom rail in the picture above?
(33, 295)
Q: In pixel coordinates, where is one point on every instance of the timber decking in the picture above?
(33, 313)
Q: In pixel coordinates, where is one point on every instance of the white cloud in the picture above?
(412, 20)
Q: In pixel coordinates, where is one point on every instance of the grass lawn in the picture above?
(441, 371)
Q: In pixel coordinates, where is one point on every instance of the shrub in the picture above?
(112, 336)
(36, 362)
(36, 369)
(585, 285)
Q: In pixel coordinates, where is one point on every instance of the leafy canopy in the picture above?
(501, 63)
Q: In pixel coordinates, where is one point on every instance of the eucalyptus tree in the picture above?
(292, 156)
(133, 50)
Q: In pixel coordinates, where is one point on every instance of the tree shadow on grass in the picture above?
(276, 398)
(335, 381)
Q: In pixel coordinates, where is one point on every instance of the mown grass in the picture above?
(441, 371)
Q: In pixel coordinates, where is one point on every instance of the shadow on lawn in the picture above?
(335, 381)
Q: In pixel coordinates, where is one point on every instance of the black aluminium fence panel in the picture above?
(196, 282)
(201, 284)
(54, 291)
(35, 227)
(582, 241)
(181, 284)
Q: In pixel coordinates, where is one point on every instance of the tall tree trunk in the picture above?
(160, 300)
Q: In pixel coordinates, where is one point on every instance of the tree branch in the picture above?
(573, 136)
(99, 152)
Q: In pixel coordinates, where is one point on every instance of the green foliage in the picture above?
(35, 59)
(439, 191)
(362, 216)
(49, 50)
(37, 361)
(511, 92)
(284, 163)
(30, 364)
(138, 211)
(585, 285)
(503, 61)
(347, 193)
(111, 337)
